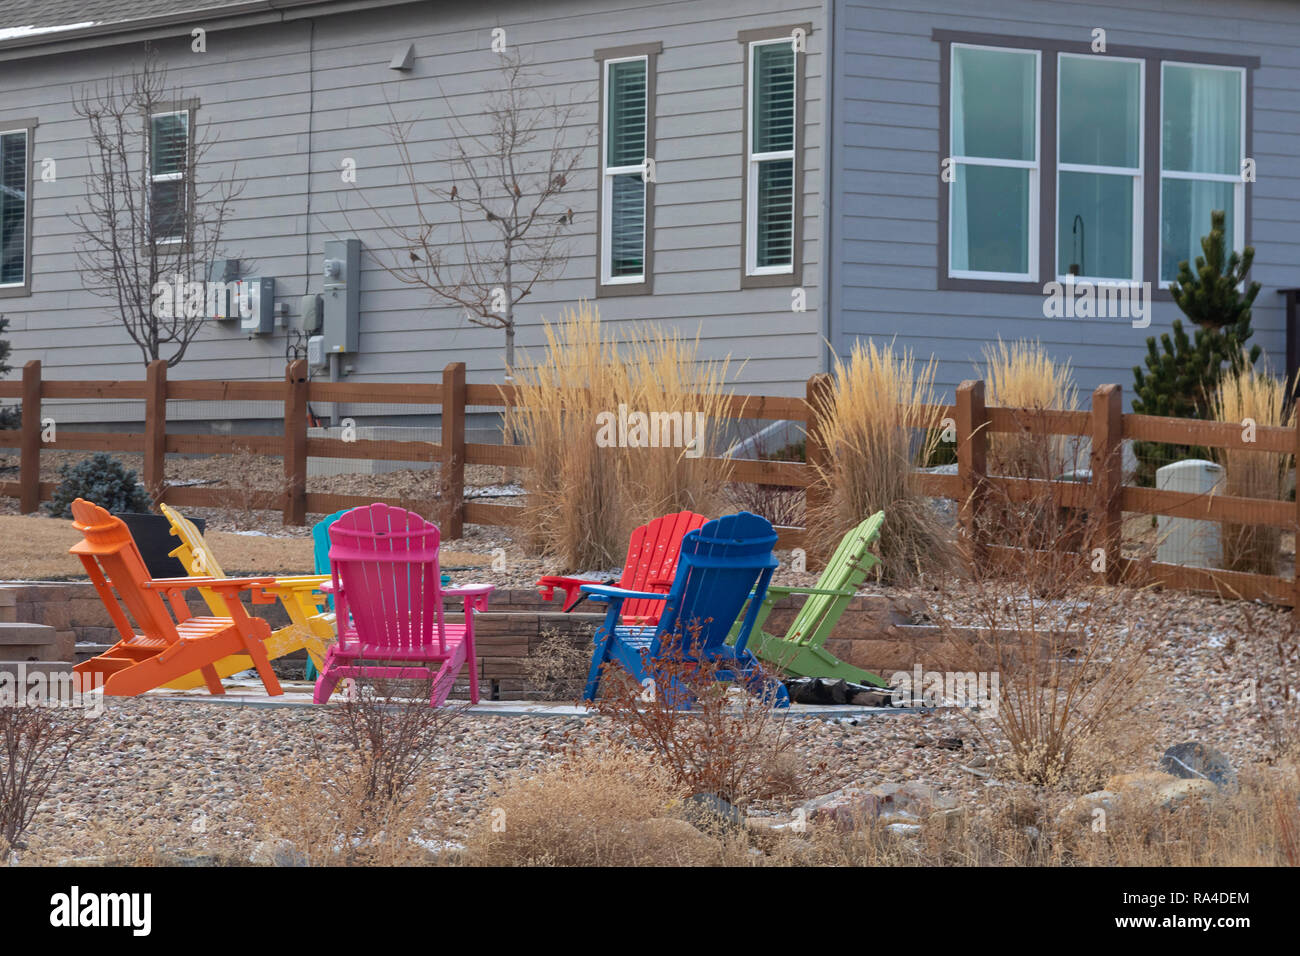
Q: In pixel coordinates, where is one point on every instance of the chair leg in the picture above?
(442, 684)
(599, 656)
(211, 679)
(257, 652)
(471, 661)
(325, 685)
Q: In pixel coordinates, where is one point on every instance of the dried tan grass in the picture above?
(1246, 395)
(607, 806)
(1024, 376)
(585, 499)
(880, 422)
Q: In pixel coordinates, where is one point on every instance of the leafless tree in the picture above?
(146, 219)
(507, 192)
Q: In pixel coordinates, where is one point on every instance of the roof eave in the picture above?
(248, 13)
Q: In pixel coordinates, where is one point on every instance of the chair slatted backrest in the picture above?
(651, 563)
(720, 564)
(386, 560)
(320, 535)
(846, 570)
(199, 561)
(117, 570)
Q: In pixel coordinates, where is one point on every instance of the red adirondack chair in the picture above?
(388, 605)
(650, 567)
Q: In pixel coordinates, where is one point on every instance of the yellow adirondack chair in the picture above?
(310, 626)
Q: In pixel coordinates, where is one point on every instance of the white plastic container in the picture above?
(1187, 541)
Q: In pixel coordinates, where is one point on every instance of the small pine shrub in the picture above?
(102, 479)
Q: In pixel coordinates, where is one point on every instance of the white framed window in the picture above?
(993, 192)
(1202, 150)
(1099, 152)
(15, 182)
(623, 201)
(771, 163)
(169, 163)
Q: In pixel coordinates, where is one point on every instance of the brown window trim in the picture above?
(1047, 149)
(651, 52)
(795, 276)
(29, 125)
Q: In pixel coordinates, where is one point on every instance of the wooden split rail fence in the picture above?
(1105, 425)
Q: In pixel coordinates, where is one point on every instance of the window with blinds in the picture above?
(623, 186)
(169, 150)
(13, 207)
(773, 113)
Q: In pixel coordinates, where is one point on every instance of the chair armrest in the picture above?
(572, 588)
(606, 592)
(217, 584)
(300, 582)
(475, 595)
(783, 590)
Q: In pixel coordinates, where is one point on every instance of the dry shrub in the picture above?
(608, 806)
(365, 809)
(585, 499)
(1023, 826)
(729, 743)
(36, 743)
(317, 813)
(556, 668)
(879, 422)
(1070, 653)
(1247, 394)
(1024, 377)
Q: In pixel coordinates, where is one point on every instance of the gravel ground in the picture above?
(164, 764)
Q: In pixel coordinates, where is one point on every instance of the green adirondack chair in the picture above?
(801, 653)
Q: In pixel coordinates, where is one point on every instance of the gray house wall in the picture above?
(886, 226)
(287, 96)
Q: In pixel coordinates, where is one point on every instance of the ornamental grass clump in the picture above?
(878, 422)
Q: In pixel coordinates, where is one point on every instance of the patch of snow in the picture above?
(13, 33)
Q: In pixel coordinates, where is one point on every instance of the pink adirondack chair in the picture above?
(388, 601)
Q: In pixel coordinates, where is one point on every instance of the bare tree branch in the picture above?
(118, 255)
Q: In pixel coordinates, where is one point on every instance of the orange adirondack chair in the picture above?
(168, 648)
(650, 568)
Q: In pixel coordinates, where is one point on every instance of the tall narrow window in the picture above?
(1099, 168)
(169, 161)
(770, 174)
(1202, 148)
(993, 193)
(14, 185)
(627, 94)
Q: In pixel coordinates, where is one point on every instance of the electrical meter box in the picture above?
(316, 357)
(342, 295)
(257, 305)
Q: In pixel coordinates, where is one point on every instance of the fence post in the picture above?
(1107, 467)
(452, 480)
(295, 443)
(972, 460)
(29, 470)
(155, 430)
(818, 459)
(1295, 586)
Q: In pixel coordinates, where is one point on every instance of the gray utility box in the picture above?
(260, 292)
(342, 295)
(1187, 541)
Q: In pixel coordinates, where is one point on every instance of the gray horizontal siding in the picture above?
(885, 176)
(256, 91)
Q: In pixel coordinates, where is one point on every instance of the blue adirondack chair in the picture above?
(720, 564)
(320, 534)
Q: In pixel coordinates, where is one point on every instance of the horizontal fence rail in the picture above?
(1104, 425)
